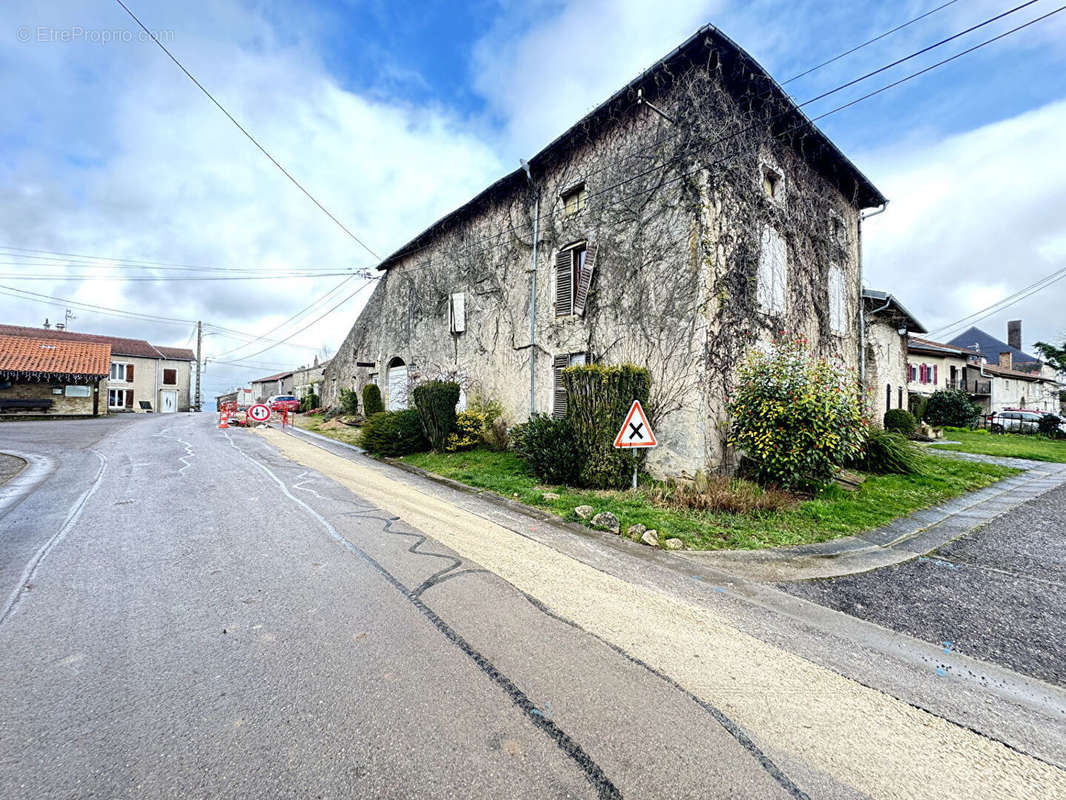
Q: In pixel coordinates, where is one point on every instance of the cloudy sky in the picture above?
(392, 114)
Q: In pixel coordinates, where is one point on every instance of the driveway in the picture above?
(997, 593)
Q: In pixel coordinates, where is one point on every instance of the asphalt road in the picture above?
(997, 593)
(189, 614)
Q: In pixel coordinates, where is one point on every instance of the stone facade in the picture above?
(710, 250)
(63, 404)
(306, 380)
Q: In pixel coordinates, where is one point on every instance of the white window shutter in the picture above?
(772, 282)
(837, 300)
(458, 312)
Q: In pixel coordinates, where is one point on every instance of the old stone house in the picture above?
(886, 370)
(265, 388)
(47, 376)
(694, 214)
(142, 377)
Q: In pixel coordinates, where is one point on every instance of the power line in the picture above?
(877, 38)
(165, 278)
(1004, 303)
(244, 130)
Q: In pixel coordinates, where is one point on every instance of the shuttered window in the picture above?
(457, 313)
(170, 377)
(772, 286)
(584, 278)
(559, 363)
(838, 301)
(564, 283)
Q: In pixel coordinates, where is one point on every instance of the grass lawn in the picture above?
(1013, 445)
(834, 512)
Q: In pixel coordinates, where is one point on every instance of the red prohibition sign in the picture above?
(259, 412)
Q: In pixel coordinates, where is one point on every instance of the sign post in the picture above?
(636, 432)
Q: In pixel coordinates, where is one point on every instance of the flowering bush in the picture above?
(796, 418)
(469, 426)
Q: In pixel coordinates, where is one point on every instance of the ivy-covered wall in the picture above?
(678, 210)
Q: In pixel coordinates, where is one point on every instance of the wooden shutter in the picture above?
(564, 283)
(559, 363)
(170, 377)
(584, 279)
(129, 373)
(457, 314)
(129, 398)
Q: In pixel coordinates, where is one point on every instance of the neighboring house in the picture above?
(888, 324)
(1023, 380)
(43, 375)
(936, 366)
(271, 385)
(142, 377)
(242, 396)
(308, 380)
(693, 215)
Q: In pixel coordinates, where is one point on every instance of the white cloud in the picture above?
(973, 218)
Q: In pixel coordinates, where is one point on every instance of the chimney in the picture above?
(1006, 360)
(1014, 333)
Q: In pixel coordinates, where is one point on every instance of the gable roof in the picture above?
(737, 66)
(177, 353)
(138, 348)
(54, 356)
(273, 377)
(883, 301)
(990, 347)
(1006, 372)
(929, 346)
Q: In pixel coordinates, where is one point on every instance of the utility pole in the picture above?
(199, 339)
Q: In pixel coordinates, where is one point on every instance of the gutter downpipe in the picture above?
(533, 292)
(862, 311)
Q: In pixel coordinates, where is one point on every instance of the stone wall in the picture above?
(886, 366)
(61, 404)
(675, 286)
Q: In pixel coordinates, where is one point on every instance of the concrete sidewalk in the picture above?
(900, 540)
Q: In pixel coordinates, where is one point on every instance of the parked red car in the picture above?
(283, 402)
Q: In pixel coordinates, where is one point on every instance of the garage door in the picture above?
(397, 387)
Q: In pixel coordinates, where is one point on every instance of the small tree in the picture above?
(436, 401)
(393, 433)
(796, 418)
(349, 401)
(951, 407)
(372, 403)
(1049, 425)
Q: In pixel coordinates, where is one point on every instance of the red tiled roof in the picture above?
(25, 354)
(1012, 373)
(120, 347)
(273, 377)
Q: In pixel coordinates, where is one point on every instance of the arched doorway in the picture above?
(397, 384)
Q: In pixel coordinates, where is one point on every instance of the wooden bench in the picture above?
(27, 404)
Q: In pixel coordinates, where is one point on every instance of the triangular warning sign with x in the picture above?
(636, 431)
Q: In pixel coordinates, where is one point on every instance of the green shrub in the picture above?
(547, 445)
(372, 403)
(469, 427)
(951, 407)
(436, 401)
(1049, 425)
(916, 405)
(900, 420)
(494, 433)
(394, 433)
(349, 401)
(309, 402)
(598, 397)
(796, 418)
(888, 452)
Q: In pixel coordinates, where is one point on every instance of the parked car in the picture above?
(1014, 422)
(283, 402)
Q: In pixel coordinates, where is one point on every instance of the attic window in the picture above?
(773, 183)
(574, 199)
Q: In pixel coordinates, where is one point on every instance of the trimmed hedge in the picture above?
(547, 445)
(349, 401)
(436, 401)
(372, 403)
(394, 433)
(951, 407)
(900, 420)
(598, 397)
